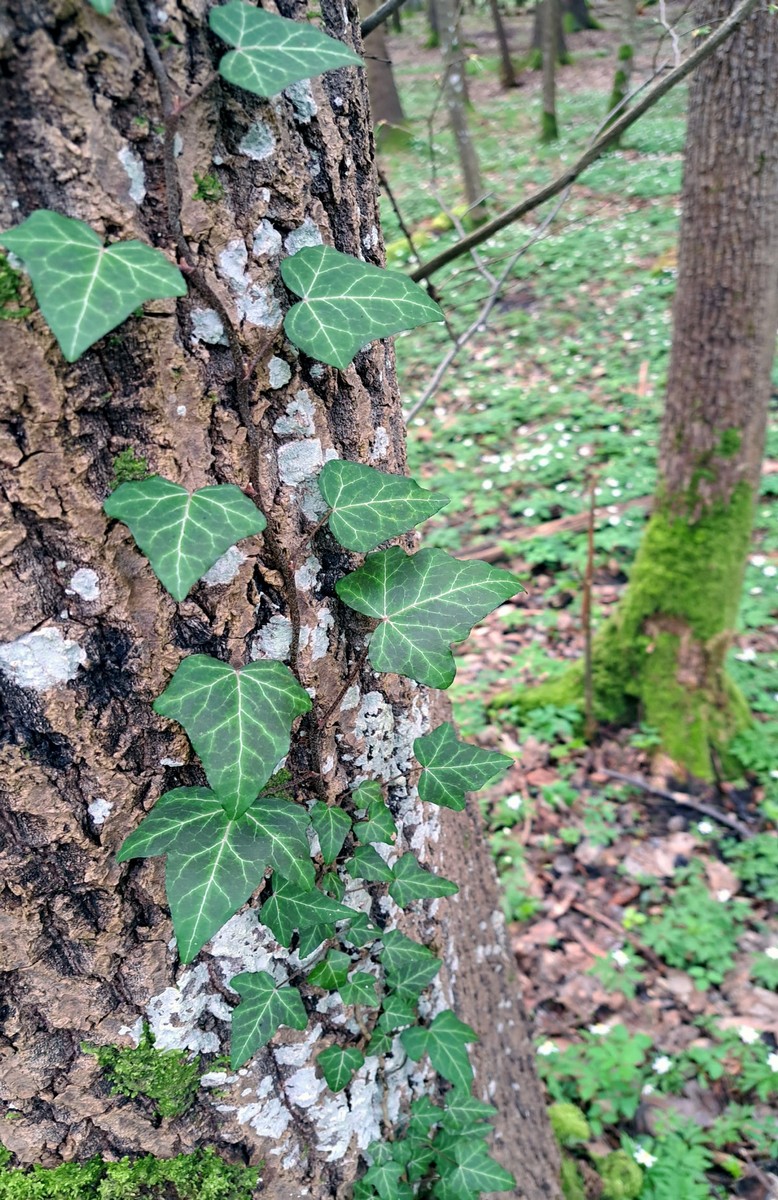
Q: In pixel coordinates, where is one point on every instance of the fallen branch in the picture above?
(683, 800)
(595, 151)
(381, 14)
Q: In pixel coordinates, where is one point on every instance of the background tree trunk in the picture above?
(625, 59)
(536, 56)
(86, 943)
(456, 105)
(548, 124)
(507, 71)
(667, 646)
(385, 105)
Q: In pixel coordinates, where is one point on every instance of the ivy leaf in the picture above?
(465, 1114)
(475, 1171)
(213, 865)
(386, 1178)
(409, 966)
(379, 824)
(264, 1006)
(359, 989)
(331, 972)
(331, 824)
(86, 289)
(380, 1043)
(414, 882)
(290, 908)
(370, 506)
(104, 7)
(396, 1012)
(331, 882)
(445, 1040)
(425, 602)
(284, 826)
(424, 1114)
(347, 303)
(239, 722)
(310, 939)
(273, 52)
(181, 533)
(360, 930)
(451, 768)
(339, 1064)
(368, 864)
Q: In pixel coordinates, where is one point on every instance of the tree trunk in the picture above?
(664, 652)
(536, 55)
(385, 104)
(86, 943)
(548, 125)
(456, 106)
(625, 58)
(433, 41)
(578, 16)
(507, 71)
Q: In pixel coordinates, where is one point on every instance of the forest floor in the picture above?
(644, 923)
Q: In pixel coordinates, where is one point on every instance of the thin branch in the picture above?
(595, 151)
(381, 14)
(684, 801)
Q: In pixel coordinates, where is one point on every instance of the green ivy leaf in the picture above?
(104, 7)
(331, 824)
(347, 303)
(425, 602)
(86, 289)
(311, 938)
(339, 1064)
(290, 909)
(331, 972)
(396, 1012)
(464, 1114)
(331, 882)
(409, 966)
(380, 1043)
(272, 52)
(264, 1006)
(239, 722)
(214, 863)
(181, 533)
(359, 989)
(424, 1114)
(445, 1040)
(414, 882)
(474, 1171)
(370, 506)
(368, 864)
(451, 768)
(378, 825)
(386, 1179)
(360, 931)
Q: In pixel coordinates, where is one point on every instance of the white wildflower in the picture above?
(772, 952)
(620, 958)
(723, 895)
(643, 1158)
(547, 1048)
(748, 1035)
(705, 827)
(601, 1030)
(772, 1061)
(662, 1064)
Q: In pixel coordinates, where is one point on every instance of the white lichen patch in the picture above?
(134, 170)
(298, 420)
(374, 728)
(304, 1088)
(174, 1015)
(299, 460)
(318, 637)
(380, 444)
(312, 503)
(279, 372)
(84, 583)
(303, 103)
(42, 659)
(370, 240)
(307, 234)
(351, 698)
(98, 810)
(257, 142)
(256, 304)
(296, 1054)
(207, 327)
(306, 577)
(274, 640)
(225, 568)
(245, 945)
(267, 241)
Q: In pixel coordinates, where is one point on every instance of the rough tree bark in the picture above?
(455, 91)
(385, 104)
(665, 650)
(90, 638)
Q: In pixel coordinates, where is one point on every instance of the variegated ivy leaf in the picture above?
(466, 1114)
(214, 863)
(290, 909)
(338, 1063)
(272, 52)
(369, 506)
(239, 721)
(347, 303)
(359, 989)
(331, 972)
(409, 966)
(414, 882)
(425, 602)
(473, 1171)
(332, 825)
(445, 1040)
(368, 864)
(451, 768)
(183, 533)
(85, 289)
(385, 1180)
(263, 1008)
(379, 824)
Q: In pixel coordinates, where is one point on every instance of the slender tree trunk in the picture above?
(385, 104)
(507, 71)
(86, 943)
(456, 105)
(664, 652)
(625, 58)
(578, 16)
(538, 26)
(548, 123)
(433, 41)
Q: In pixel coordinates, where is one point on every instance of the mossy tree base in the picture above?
(661, 657)
(549, 131)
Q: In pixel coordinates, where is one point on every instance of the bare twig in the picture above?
(595, 151)
(683, 800)
(381, 14)
(590, 724)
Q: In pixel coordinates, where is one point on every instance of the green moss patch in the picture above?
(168, 1077)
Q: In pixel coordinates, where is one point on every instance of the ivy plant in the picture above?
(259, 829)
